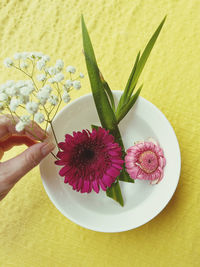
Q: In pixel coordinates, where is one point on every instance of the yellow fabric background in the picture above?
(32, 231)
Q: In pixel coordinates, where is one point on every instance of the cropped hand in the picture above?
(12, 170)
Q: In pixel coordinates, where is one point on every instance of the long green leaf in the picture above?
(146, 54)
(104, 109)
(125, 109)
(114, 192)
(124, 96)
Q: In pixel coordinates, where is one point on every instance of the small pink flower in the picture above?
(145, 161)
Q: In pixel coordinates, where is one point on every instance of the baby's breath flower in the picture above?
(2, 88)
(51, 80)
(53, 100)
(81, 75)
(41, 77)
(14, 103)
(26, 90)
(11, 91)
(46, 58)
(77, 85)
(40, 64)
(20, 84)
(32, 107)
(3, 97)
(39, 117)
(47, 87)
(68, 84)
(59, 64)
(23, 99)
(8, 62)
(20, 126)
(17, 56)
(24, 55)
(23, 65)
(58, 77)
(25, 119)
(52, 70)
(10, 83)
(42, 96)
(71, 69)
(66, 97)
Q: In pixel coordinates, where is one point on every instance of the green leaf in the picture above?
(124, 97)
(145, 54)
(125, 109)
(108, 91)
(95, 127)
(125, 177)
(104, 109)
(114, 192)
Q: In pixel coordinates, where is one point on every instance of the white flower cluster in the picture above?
(46, 87)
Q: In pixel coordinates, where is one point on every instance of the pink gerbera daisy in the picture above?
(91, 160)
(145, 161)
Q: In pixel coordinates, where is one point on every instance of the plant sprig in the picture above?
(109, 115)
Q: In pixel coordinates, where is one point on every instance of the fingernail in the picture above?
(47, 148)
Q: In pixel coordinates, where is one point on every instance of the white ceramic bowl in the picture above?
(142, 200)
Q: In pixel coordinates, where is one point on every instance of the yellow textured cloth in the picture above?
(32, 231)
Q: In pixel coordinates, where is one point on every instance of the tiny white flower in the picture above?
(8, 62)
(53, 99)
(3, 97)
(32, 107)
(23, 65)
(41, 77)
(20, 126)
(81, 75)
(71, 69)
(51, 80)
(20, 84)
(11, 91)
(66, 97)
(52, 70)
(14, 103)
(38, 54)
(59, 64)
(9, 83)
(17, 56)
(42, 96)
(68, 84)
(2, 88)
(40, 64)
(26, 91)
(23, 99)
(46, 58)
(47, 87)
(77, 85)
(25, 119)
(58, 77)
(24, 55)
(39, 117)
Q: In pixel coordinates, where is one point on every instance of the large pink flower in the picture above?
(91, 160)
(145, 161)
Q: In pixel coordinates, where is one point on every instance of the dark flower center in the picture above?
(87, 154)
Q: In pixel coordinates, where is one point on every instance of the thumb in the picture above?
(18, 166)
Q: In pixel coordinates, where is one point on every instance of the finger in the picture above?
(15, 168)
(33, 130)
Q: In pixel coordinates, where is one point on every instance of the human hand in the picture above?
(12, 170)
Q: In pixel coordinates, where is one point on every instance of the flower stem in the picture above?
(54, 134)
